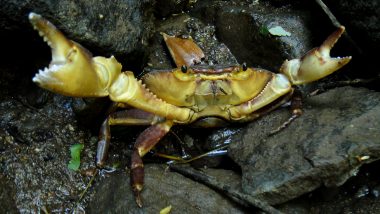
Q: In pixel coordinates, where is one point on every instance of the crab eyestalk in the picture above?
(72, 71)
(317, 63)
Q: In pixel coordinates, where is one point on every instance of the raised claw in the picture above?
(183, 51)
(73, 71)
(317, 63)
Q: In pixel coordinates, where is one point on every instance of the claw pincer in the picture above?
(183, 95)
(317, 63)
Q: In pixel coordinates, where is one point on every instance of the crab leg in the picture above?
(144, 143)
(127, 89)
(295, 108)
(277, 87)
(317, 63)
(126, 118)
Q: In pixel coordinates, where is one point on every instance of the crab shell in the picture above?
(183, 95)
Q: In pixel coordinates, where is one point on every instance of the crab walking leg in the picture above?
(295, 108)
(316, 64)
(73, 71)
(144, 143)
(277, 87)
(274, 105)
(126, 118)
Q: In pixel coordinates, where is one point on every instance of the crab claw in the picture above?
(72, 71)
(183, 51)
(316, 64)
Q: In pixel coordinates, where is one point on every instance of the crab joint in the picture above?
(137, 176)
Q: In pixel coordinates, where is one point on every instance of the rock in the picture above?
(364, 30)
(166, 8)
(244, 28)
(321, 148)
(355, 196)
(162, 188)
(202, 34)
(34, 148)
(7, 199)
(118, 28)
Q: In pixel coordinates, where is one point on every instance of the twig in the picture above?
(213, 183)
(89, 184)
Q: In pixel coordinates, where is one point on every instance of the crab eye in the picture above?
(244, 66)
(184, 68)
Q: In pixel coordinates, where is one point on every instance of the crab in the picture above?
(205, 96)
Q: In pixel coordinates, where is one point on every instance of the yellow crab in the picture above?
(201, 95)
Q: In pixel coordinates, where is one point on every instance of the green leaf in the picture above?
(279, 31)
(75, 156)
(264, 31)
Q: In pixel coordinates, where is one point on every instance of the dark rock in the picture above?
(166, 8)
(35, 154)
(365, 27)
(162, 188)
(343, 199)
(7, 200)
(244, 29)
(203, 35)
(362, 22)
(321, 148)
(118, 28)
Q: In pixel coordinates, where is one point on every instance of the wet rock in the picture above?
(165, 8)
(118, 28)
(337, 133)
(202, 34)
(162, 188)
(211, 141)
(364, 29)
(34, 152)
(7, 200)
(342, 199)
(244, 29)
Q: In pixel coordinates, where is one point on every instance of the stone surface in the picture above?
(364, 30)
(34, 153)
(244, 29)
(117, 28)
(321, 148)
(162, 188)
(203, 35)
(7, 196)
